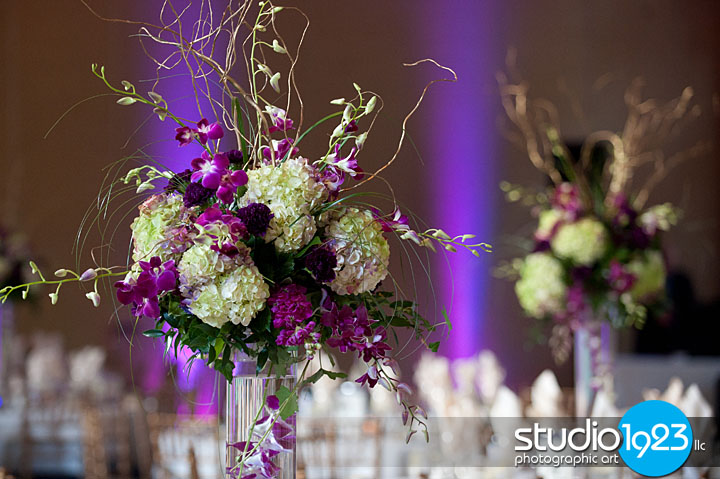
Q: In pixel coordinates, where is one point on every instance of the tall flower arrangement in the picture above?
(596, 252)
(259, 246)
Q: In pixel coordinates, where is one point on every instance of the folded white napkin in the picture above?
(546, 396)
(490, 376)
(693, 404)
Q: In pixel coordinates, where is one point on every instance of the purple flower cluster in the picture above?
(204, 132)
(142, 292)
(280, 120)
(321, 262)
(178, 181)
(353, 331)
(225, 229)
(270, 436)
(619, 278)
(567, 198)
(290, 311)
(256, 217)
(213, 173)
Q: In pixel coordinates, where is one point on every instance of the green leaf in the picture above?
(324, 372)
(447, 319)
(154, 333)
(434, 346)
(288, 402)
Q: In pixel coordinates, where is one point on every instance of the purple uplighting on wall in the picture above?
(462, 157)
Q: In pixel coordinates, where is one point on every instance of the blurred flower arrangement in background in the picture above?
(254, 248)
(596, 253)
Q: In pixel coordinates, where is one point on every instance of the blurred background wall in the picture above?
(580, 55)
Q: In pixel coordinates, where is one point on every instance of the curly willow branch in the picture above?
(409, 115)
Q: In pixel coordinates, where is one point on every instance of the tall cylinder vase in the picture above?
(260, 443)
(594, 355)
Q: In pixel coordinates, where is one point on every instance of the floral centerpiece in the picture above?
(595, 260)
(255, 250)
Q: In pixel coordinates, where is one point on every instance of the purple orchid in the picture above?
(142, 292)
(353, 331)
(347, 164)
(223, 229)
(291, 311)
(397, 222)
(204, 132)
(207, 131)
(213, 174)
(279, 119)
(282, 149)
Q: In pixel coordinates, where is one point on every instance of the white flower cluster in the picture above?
(363, 253)
(541, 288)
(220, 288)
(291, 192)
(157, 214)
(583, 242)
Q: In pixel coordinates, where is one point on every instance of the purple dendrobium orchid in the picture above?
(353, 331)
(204, 132)
(291, 311)
(142, 292)
(224, 230)
(348, 164)
(209, 170)
(207, 131)
(229, 184)
(283, 149)
(351, 127)
(397, 222)
(184, 135)
(279, 119)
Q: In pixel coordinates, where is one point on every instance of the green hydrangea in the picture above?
(541, 288)
(292, 192)
(583, 242)
(546, 222)
(221, 289)
(363, 253)
(649, 271)
(149, 230)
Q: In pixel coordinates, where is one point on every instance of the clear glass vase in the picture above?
(594, 355)
(250, 448)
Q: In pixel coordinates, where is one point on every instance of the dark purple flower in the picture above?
(234, 156)
(196, 194)
(178, 181)
(206, 131)
(256, 217)
(142, 292)
(353, 331)
(321, 262)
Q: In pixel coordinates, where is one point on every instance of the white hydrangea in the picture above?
(291, 192)
(221, 289)
(583, 242)
(149, 230)
(541, 288)
(363, 253)
(650, 273)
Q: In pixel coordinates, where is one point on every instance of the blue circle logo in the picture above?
(657, 438)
